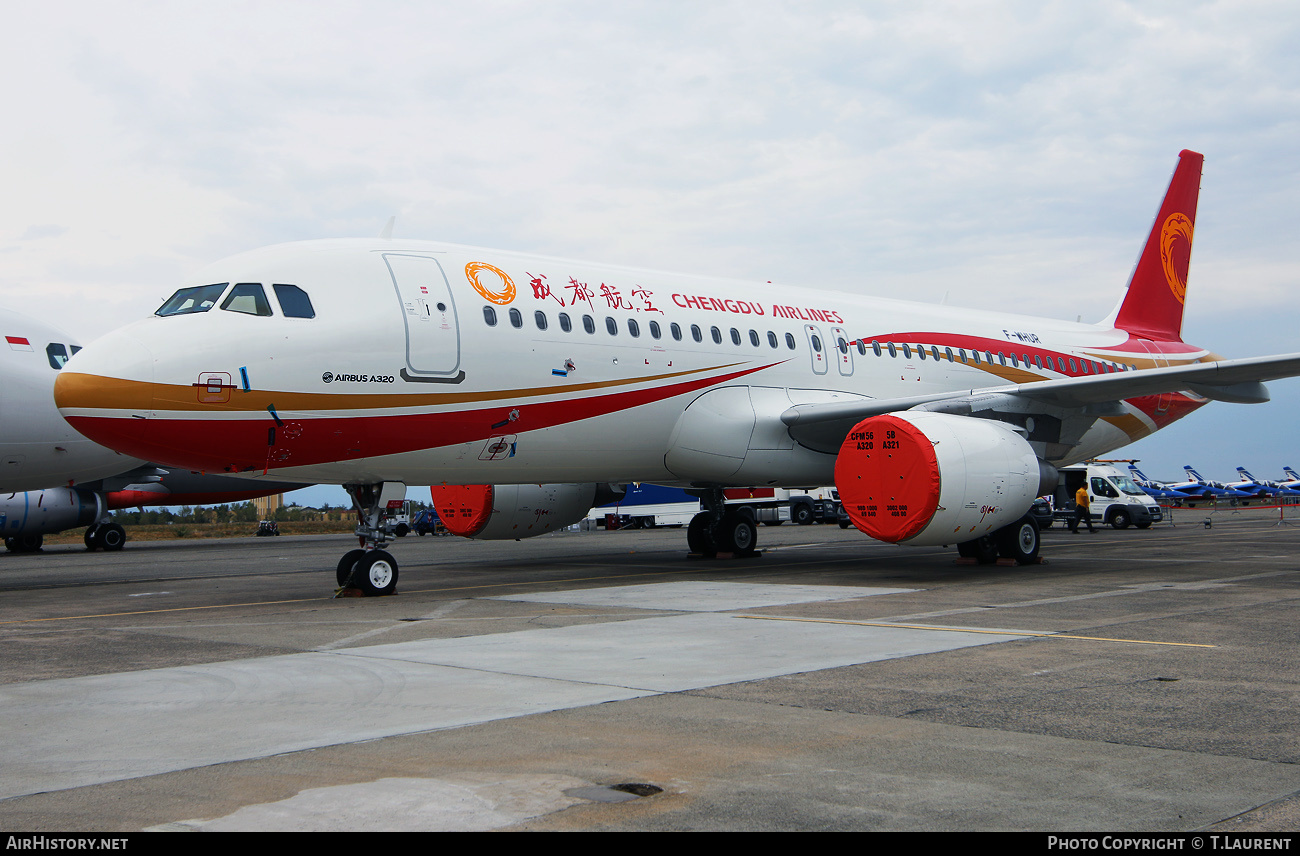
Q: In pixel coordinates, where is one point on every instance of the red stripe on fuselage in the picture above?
(243, 445)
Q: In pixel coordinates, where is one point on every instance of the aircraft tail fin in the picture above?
(1137, 473)
(1153, 304)
(1244, 474)
(1290, 473)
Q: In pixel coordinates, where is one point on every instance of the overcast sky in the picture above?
(1007, 155)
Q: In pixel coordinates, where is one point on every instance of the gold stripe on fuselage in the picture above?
(77, 391)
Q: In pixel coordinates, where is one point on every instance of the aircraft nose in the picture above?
(106, 392)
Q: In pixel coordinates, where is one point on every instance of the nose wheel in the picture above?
(373, 570)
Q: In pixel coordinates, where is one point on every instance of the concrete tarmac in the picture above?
(1139, 680)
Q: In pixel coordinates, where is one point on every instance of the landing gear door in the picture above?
(429, 314)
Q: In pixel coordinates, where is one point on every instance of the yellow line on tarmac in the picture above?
(967, 630)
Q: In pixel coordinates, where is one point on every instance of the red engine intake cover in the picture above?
(463, 509)
(888, 478)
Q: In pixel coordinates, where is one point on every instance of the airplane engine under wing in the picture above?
(42, 512)
(928, 479)
(498, 512)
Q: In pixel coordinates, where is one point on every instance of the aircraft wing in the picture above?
(824, 426)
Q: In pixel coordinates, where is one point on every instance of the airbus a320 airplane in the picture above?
(378, 363)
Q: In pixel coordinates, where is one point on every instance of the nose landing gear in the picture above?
(372, 570)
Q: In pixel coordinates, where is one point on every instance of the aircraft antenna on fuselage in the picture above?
(1152, 306)
(386, 234)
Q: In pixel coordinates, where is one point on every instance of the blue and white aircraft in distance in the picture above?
(1260, 487)
(1218, 489)
(1194, 488)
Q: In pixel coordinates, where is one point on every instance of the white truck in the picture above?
(1113, 497)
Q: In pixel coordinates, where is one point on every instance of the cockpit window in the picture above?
(249, 298)
(294, 302)
(57, 353)
(200, 298)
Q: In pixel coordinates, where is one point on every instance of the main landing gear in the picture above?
(721, 530)
(1018, 542)
(109, 537)
(372, 570)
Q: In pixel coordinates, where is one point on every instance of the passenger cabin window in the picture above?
(565, 323)
(516, 319)
(539, 318)
(611, 326)
(676, 331)
(633, 328)
(789, 341)
(589, 324)
(198, 299)
(655, 332)
(489, 316)
(696, 334)
(753, 338)
(294, 302)
(735, 336)
(248, 298)
(717, 335)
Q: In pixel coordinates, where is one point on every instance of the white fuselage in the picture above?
(435, 363)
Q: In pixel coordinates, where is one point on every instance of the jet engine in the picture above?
(498, 512)
(42, 512)
(927, 479)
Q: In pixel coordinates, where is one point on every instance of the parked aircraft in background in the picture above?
(1218, 489)
(516, 384)
(1292, 478)
(1157, 489)
(1264, 488)
(38, 450)
(37, 447)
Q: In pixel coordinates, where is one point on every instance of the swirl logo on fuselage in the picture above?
(1176, 252)
(499, 288)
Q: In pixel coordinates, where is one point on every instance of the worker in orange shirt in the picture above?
(1081, 509)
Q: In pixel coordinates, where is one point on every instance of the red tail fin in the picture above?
(1153, 305)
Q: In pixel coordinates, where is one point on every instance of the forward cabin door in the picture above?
(429, 315)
